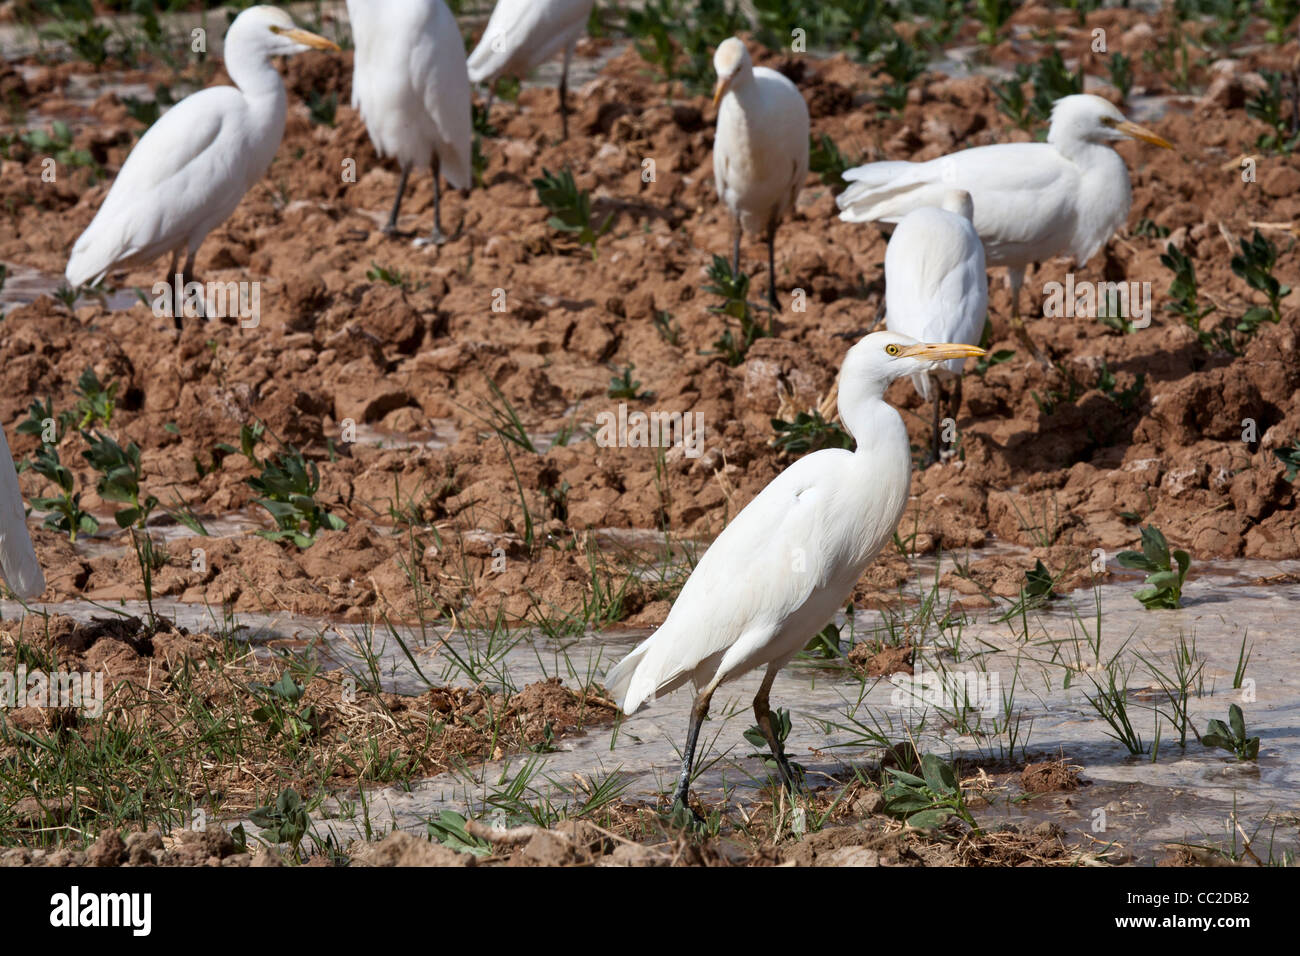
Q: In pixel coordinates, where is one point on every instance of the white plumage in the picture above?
(936, 286)
(411, 86)
(22, 572)
(191, 168)
(1032, 201)
(521, 35)
(937, 289)
(760, 153)
(780, 571)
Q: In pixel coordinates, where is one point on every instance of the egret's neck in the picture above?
(874, 424)
(1074, 147)
(250, 69)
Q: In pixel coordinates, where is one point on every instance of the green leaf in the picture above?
(938, 775)
(1155, 547)
(1238, 722)
(930, 819)
(1135, 560)
(1217, 728)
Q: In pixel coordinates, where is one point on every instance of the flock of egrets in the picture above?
(783, 567)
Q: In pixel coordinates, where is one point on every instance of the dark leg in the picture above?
(771, 270)
(735, 248)
(391, 228)
(438, 237)
(763, 713)
(187, 276)
(699, 710)
(564, 90)
(171, 284)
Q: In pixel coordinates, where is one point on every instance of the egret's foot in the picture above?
(791, 779)
(435, 238)
(685, 817)
(392, 232)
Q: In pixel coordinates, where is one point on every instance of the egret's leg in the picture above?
(699, 710)
(735, 247)
(391, 228)
(492, 92)
(1016, 278)
(771, 270)
(564, 90)
(187, 276)
(438, 237)
(172, 279)
(763, 713)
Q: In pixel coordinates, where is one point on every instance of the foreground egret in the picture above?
(937, 289)
(778, 573)
(22, 572)
(1033, 201)
(191, 168)
(523, 34)
(410, 84)
(760, 153)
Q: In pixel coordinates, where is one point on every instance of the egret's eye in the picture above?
(892, 349)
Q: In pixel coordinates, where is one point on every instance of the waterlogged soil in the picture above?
(447, 515)
(239, 725)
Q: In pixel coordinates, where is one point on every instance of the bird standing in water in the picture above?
(782, 569)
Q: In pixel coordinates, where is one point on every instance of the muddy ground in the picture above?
(434, 497)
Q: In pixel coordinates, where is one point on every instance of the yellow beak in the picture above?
(720, 89)
(306, 38)
(1144, 134)
(940, 351)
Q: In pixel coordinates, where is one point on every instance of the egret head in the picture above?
(732, 63)
(1092, 119)
(272, 32)
(881, 357)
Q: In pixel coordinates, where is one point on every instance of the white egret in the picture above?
(778, 573)
(523, 34)
(937, 289)
(411, 86)
(22, 572)
(191, 168)
(760, 152)
(1033, 201)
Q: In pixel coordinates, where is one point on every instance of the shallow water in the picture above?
(24, 285)
(1129, 803)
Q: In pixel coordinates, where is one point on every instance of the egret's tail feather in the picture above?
(646, 673)
(22, 572)
(619, 678)
(885, 192)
